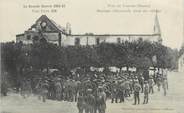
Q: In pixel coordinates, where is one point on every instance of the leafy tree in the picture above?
(13, 62)
(18, 58)
(46, 55)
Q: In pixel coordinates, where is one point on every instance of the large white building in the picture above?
(46, 29)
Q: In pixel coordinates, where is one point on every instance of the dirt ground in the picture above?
(158, 103)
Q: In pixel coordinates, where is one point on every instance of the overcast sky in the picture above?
(83, 17)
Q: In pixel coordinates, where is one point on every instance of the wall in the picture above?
(91, 39)
(52, 37)
(181, 63)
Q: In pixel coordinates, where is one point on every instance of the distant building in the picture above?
(181, 60)
(47, 30)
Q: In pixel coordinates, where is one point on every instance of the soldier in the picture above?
(122, 91)
(131, 85)
(151, 83)
(158, 82)
(74, 86)
(87, 84)
(29, 89)
(38, 89)
(24, 89)
(69, 92)
(89, 102)
(137, 89)
(141, 82)
(52, 89)
(114, 92)
(127, 87)
(146, 91)
(165, 85)
(4, 88)
(76, 90)
(44, 90)
(81, 102)
(58, 88)
(101, 100)
(165, 72)
(65, 90)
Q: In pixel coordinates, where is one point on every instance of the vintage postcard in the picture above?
(92, 56)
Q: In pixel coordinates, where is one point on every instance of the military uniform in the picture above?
(158, 82)
(68, 90)
(141, 82)
(131, 85)
(23, 89)
(146, 91)
(114, 92)
(44, 90)
(81, 103)
(151, 85)
(59, 88)
(89, 102)
(76, 90)
(122, 92)
(137, 89)
(101, 100)
(4, 89)
(165, 85)
(127, 88)
(52, 90)
(29, 88)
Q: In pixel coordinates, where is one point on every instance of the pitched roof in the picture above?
(53, 24)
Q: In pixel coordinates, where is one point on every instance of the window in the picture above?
(97, 41)
(35, 38)
(28, 37)
(140, 39)
(43, 40)
(118, 40)
(77, 41)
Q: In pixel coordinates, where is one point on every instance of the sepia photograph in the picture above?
(92, 56)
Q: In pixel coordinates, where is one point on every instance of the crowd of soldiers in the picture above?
(91, 90)
(137, 83)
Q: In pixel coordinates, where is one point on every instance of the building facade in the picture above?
(181, 63)
(181, 60)
(46, 29)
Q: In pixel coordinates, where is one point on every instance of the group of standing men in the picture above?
(137, 83)
(91, 91)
